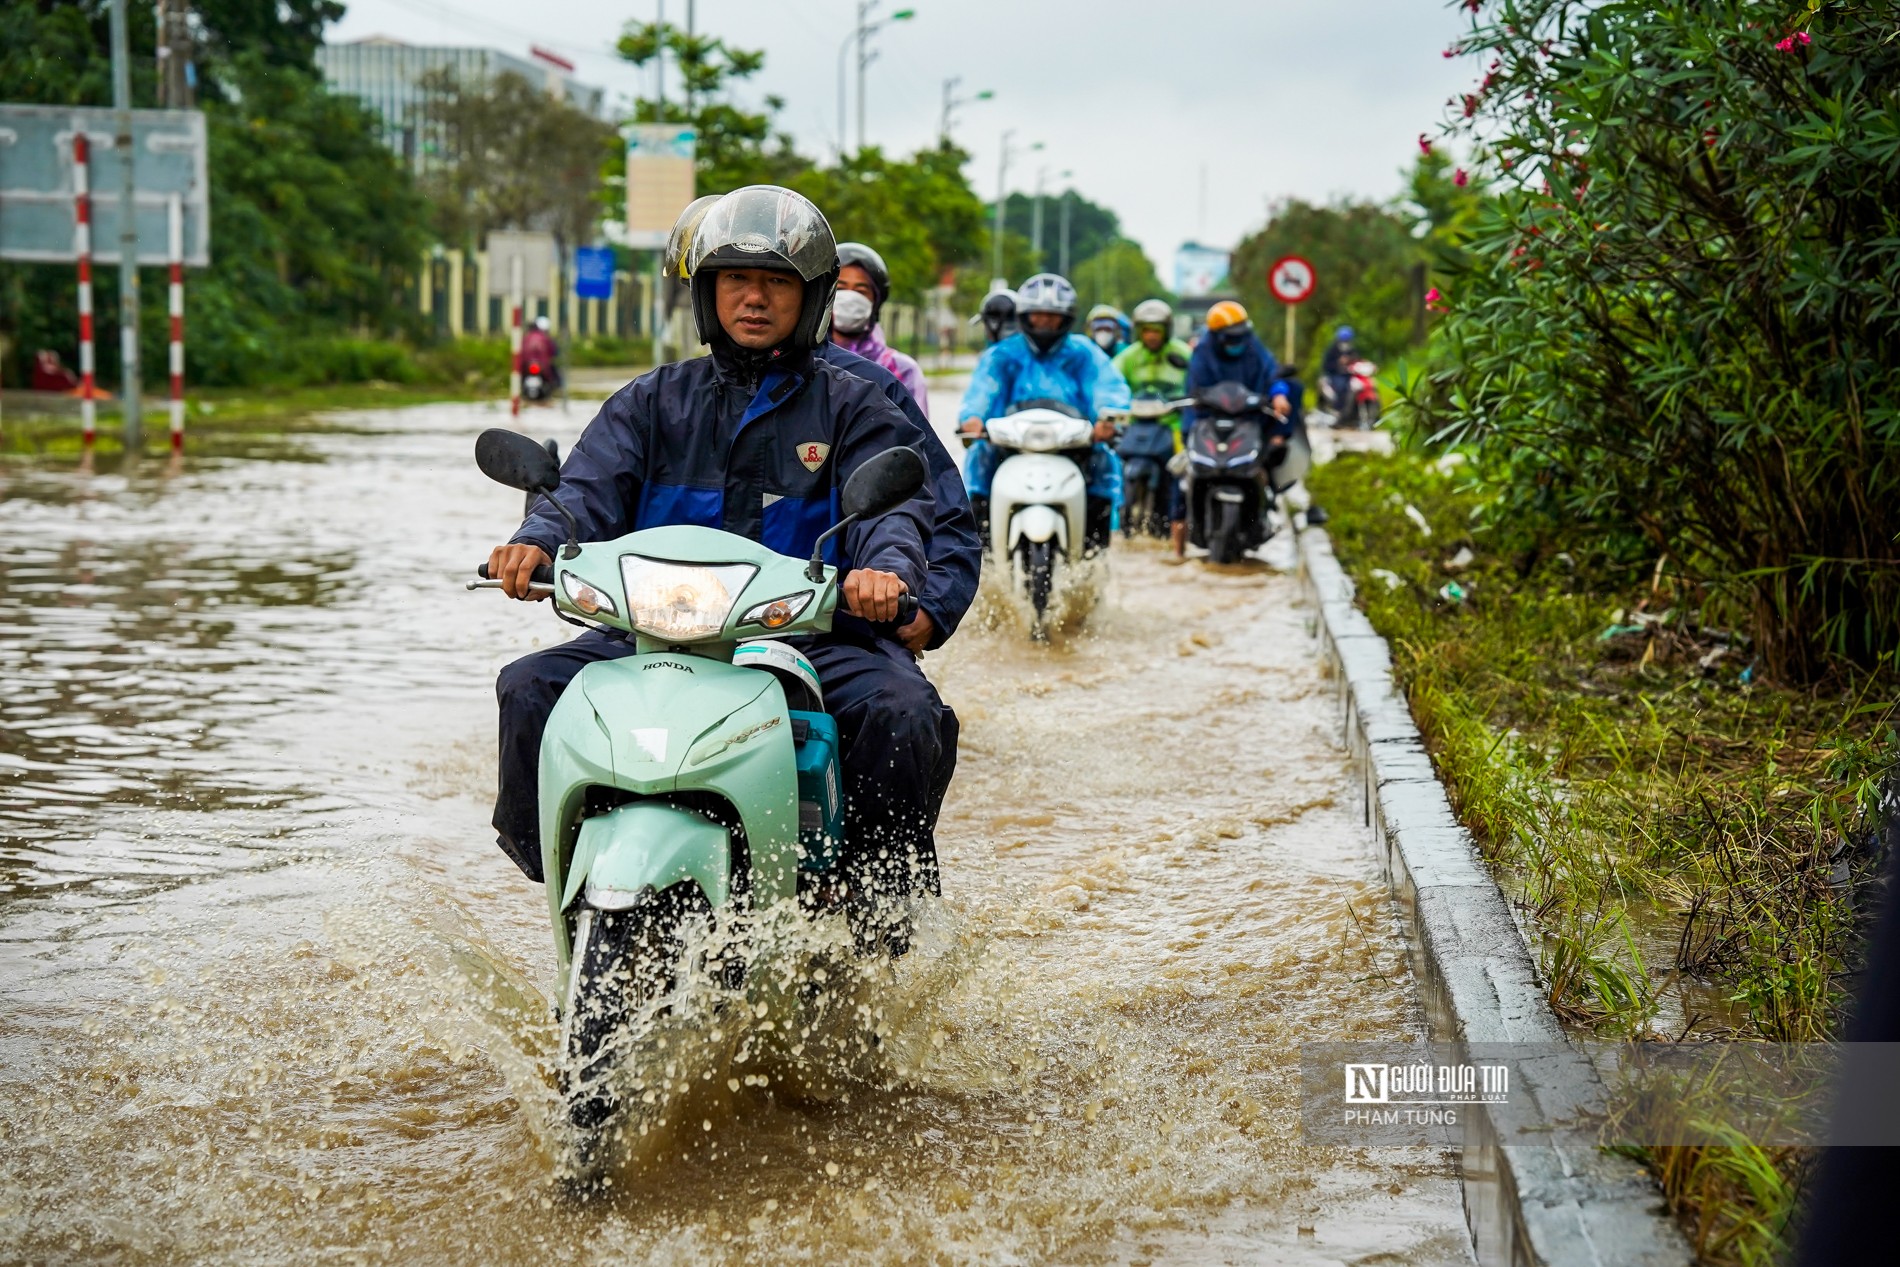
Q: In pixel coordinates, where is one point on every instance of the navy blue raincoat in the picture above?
(761, 452)
(1253, 367)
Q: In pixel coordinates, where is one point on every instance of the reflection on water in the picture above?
(271, 994)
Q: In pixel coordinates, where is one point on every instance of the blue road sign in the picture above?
(594, 272)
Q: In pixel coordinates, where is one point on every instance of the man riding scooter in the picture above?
(1155, 365)
(1232, 353)
(1339, 354)
(1046, 362)
(954, 549)
(754, 439)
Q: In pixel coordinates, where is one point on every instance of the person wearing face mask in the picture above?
(863, 286)
(1109, 328)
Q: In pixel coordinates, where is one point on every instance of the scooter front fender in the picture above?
(1038, 523)
(648, 844)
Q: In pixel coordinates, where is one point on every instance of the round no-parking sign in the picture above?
(1291, 279)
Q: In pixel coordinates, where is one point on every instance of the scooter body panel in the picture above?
(1038, 481)
(640, 725)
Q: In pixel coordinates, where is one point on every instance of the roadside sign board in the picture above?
(660, 180)
(594, 272)
(535, 250)
(37, 217)
(1291, 279)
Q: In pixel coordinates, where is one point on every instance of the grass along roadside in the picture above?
(1679, 838)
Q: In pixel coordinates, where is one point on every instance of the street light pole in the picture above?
(1002, 181)
(866, 54)
(128, 229)
(950, 103)
(1065, 231)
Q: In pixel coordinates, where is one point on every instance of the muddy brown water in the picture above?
(269, 994)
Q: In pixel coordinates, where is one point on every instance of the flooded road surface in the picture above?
(268, 992)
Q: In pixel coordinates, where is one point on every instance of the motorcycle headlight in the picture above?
(587, 600)
(681, 601)
(1245, 458)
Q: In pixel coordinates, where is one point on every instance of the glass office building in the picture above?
(386, 75)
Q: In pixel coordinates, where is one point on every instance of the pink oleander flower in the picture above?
(1458, 178)
(1803, 38)
(1785, 45)
(1432, 297)
(1424, 144)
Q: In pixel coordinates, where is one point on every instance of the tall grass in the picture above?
(1679, 837)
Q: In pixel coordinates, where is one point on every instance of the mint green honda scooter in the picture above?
(692, 783)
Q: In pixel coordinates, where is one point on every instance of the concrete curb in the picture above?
(1558, 1206)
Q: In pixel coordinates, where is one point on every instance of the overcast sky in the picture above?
(1272, 98)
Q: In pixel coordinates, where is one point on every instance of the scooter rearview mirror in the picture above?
(883, 483)
(510, 458)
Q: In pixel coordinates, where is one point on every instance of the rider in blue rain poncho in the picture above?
(1046, 363)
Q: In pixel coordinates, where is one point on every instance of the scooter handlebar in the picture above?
(543, 575)
(540, 582)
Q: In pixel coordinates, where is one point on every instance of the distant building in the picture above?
(386, 75)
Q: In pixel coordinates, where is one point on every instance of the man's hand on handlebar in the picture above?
(514, 566)
(873, 595)
(1105, 430)
(971, 427)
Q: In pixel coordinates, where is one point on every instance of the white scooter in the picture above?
(1039, 503)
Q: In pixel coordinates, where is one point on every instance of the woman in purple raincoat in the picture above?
(863, 286)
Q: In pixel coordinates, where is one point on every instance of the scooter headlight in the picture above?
(587, 600)
(681, 601)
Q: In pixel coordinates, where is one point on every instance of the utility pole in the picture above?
(949, 108)
(1035, 216)
(1066, 195)
(1002, 181)
(867, 54)
(128, 229)
(686, 81)
(950, 103)
(659, 61)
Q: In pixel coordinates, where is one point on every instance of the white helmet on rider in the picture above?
(1046, 292)
(1152, 312)
(541, 324)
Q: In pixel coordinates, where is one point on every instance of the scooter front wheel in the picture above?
(1039, 567)
(625, 964)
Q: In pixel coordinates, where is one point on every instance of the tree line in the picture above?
(319, 228)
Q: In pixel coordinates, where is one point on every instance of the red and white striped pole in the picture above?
(82, 243)
(177, 301)
(515, 265)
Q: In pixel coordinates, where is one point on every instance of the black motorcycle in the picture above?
(1146, 444)
(1235, 471)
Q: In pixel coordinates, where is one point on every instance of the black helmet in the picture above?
(871, 262)
(765, 226)
(1046, 292)
(998, 314)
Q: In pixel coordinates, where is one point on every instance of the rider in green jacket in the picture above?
(1155, 364)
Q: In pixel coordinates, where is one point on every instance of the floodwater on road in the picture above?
(269, 993)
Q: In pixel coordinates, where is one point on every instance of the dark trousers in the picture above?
(899, 746)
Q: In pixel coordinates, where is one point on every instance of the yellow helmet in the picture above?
(680, 241)
(1224, 314)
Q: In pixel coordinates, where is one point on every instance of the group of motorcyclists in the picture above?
(757, 438)
(1029, 360)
